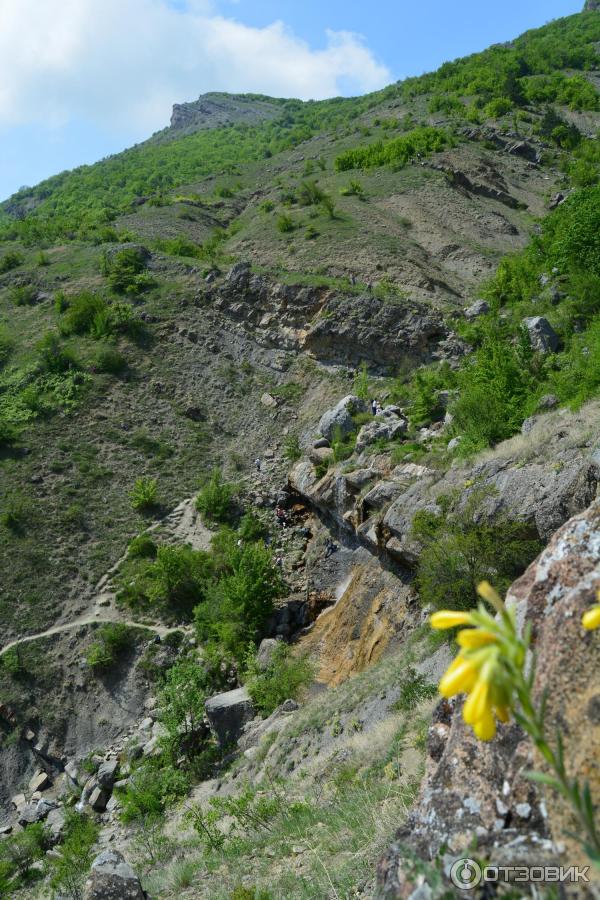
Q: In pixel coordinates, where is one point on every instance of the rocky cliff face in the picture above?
(480, 790)
(216, 109)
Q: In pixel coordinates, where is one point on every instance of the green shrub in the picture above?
(353, 189)
(108, 360)
(42, 259)
(577, 377)
(24, 295)
(216, 499)
(10, 260)
(309, 193)
(286, 676)
(498, 107)
(126, 271)
(6, 346)
(240, 600)
(285, 224)
(497, 389)
(413, 689)
(251, 528)
(114, 639)
(179, 578)
(15, 514)
(11, 661)
(82, 312)
(152, 787)
(61, 303)
(70, 869)
(179, 246)
(267, 206)
(144, 496)
(142, 547)
(187, 687)
(21, 851)
(291, 448)
(397, 152)
(328, 205)
(54, 356)
(461, 547)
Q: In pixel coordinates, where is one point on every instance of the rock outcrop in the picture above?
(338, 422)
(112, 878)
(214, 110)
(228, 713)
(541, 334)
(474, 790)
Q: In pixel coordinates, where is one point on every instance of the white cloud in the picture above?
(122, 63)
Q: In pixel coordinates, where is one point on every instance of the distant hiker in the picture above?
(353, 279)
(257, 463)
(379, 409)
(369, 287)
(281, 516)
(330, 548)
(279, 561)
(374, 406)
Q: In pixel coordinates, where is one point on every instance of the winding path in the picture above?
(184, 524)
(161, 630)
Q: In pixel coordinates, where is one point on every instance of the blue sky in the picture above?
(95, 76)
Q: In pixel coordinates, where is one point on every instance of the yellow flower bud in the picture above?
(487, 592)
(591, 619)
(472, 638)
(447, 618)
(485, 728)
(460, 677)
(477, 705)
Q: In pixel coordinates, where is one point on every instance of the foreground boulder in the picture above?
(473, 790)
(112, 878)
(228, 713)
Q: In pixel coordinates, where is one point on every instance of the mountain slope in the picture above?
(174, 322)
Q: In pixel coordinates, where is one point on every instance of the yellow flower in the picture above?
(485, 728)
(591, 619)
(460, 676)
(473, 638)
(477, 705)
(449, 619)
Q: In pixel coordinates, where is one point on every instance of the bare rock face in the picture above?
(479, 790)
(214, 110)
(112, 878)
(591, 5)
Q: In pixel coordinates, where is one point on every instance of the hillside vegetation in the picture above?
(174, 322)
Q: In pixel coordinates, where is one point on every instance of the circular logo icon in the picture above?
(466, 874)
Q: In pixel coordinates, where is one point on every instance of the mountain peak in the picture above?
(215, 109)
(591, 5)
